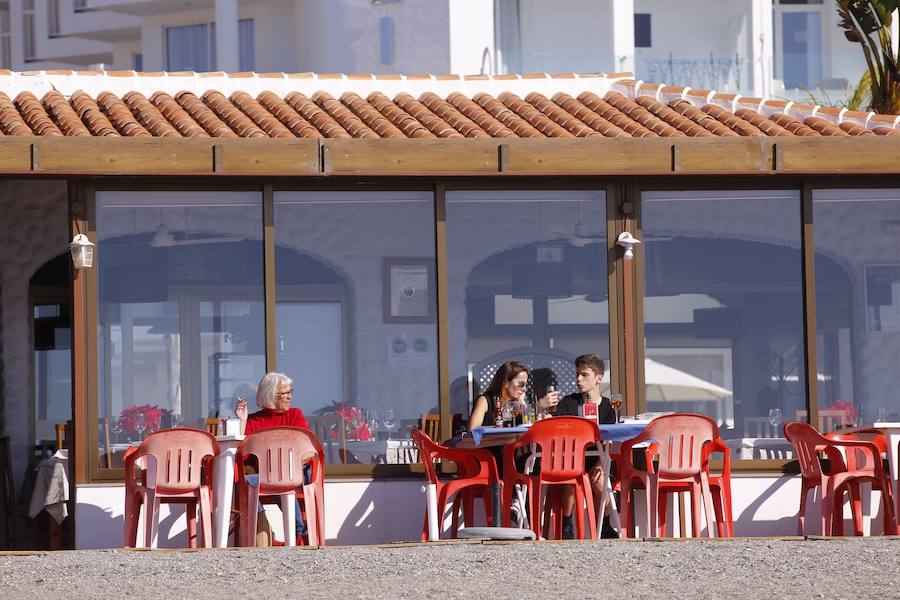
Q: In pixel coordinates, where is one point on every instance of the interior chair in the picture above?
(759, 427)
(829, 419)
(347, 457)
(562, 442)
(857, 460)
(679, 443)
(720, 488)
(863, 465)
(476, 474)
(175, 468)
(324, 426)
(8, 502)
(431, 425)
(279, 454)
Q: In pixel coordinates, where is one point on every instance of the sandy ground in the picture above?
(741, 568)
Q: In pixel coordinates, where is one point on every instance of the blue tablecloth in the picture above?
(612, 432)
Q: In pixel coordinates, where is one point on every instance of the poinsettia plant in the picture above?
(848, 409)
(154, 416)
(355, 426)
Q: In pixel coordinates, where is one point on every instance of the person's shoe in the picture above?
(516, 514)
(277, 543)
(568, 529)
(300, 541)
(608, 533)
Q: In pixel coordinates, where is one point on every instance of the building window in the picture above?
(193, 47)
(5, 41)
(356, 326)
(386, 40)
(723, 311)
(533, 288)
(181, 311)
(53, 17)
(29, 43)
(137, 61)
(190, 48)
(246, 47)
(857, 302)
(642, 32)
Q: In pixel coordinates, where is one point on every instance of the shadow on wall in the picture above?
(98, 527)
(384, 511)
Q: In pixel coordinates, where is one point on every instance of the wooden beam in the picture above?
(721, 154)
(852, 154)
(15, 154)
(123, 156)
(411, 157)
(588, 156)
(267, 156)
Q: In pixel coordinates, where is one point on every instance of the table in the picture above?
(223, 487)
(392, 452)
(891, 429)
(51, 487)
(611, 435)
(760, 448)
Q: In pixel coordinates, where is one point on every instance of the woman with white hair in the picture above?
(273, 396)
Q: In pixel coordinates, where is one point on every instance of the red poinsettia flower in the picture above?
(848, 408)
(355, 426)
(153, 418)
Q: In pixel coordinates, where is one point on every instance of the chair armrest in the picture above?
(867, 447)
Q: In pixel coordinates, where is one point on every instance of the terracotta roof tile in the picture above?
(290, 105)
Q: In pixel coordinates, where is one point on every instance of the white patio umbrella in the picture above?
(668, 384)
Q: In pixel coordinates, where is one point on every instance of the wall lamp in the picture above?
(82, 250)
(627, 241)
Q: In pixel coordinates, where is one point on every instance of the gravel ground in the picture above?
(742, 568)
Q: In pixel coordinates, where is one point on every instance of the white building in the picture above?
(790, 48)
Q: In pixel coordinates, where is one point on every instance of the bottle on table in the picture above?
(498, 413)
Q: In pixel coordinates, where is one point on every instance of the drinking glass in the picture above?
(116, 428)
(615, 401)
(882, 415)
(775, 418)
(140, 424)
(552, 408)
(387, 418)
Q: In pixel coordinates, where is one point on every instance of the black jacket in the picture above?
(569, 406)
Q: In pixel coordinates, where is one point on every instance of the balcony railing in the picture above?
(712, 72)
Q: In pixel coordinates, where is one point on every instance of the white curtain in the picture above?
(188, 48)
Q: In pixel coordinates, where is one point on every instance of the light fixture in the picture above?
(82, 250)
(627, 241)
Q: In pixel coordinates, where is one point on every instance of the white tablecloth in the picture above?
(392, 452)
(51, 487)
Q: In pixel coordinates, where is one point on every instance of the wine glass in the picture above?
(615, 401)
(550, 389)
(387, 418)
(116, 427)
(140, 424)
(775, 418)
(372, 420)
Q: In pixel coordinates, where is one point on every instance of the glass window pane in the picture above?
(246, 51)
(181, 305)
(355, 317)
(187, 48)
(857, 303)
(723, 311)
(527, 281)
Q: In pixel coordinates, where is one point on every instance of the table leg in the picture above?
(893, 435)
(223, 482)
(496, 508)
(434, 532)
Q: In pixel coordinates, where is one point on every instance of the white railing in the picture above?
(712, 73)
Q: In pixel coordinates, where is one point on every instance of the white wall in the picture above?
(383, 511)
(584, 36)
(343, 36)
(471, 27)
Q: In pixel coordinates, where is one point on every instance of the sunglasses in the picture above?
(519, 384)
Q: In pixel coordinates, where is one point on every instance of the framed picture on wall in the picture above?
(882, 297)
(409, 290)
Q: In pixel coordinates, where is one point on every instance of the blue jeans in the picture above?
(299, 525)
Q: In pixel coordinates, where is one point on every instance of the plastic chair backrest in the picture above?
(428, 448)
(179, 456)
(807, 442)
(562, 442)
(858, 460)
(679, 441)
(281, 453)
(469, 462)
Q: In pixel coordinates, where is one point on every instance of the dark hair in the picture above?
(591, 361)
(505, 373)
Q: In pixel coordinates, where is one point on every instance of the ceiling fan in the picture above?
(163, 238)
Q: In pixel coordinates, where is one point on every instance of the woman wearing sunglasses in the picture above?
(507, 388)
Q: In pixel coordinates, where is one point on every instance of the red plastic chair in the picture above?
(863, 465)
(860, 460)
(562, 442)
(719, 486)
(476, 474)
(280, 454)
(680, 441)
(177, 468)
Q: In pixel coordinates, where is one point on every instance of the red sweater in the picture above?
(267, 418)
